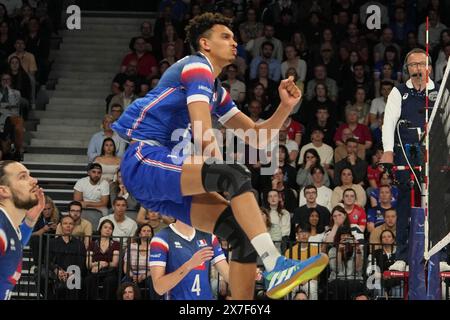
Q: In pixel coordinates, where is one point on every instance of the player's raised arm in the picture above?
(290, 95)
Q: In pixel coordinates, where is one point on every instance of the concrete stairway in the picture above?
(84, 66)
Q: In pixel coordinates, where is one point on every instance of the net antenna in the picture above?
(425, 196)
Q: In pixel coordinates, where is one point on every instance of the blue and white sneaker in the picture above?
(288, 274)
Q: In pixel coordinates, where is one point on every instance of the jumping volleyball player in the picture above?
(186, 187)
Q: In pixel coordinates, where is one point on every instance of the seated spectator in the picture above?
(65, 253)
(340, 152)
(170, 38)
(360, 132)
(127, 96)
(255, 111)
(298, 40)
(162, 67)
(303, 250)
(150, 41)
(323, 192)
(6, 40)
(38, 44)
(102, 261)
(293, 61)
(129, 73)
(108, 160)
(251, 28)
(255, 46)
(291, 145)
(339, 218)
(118, 189)
(23, 17)
(347, 183)
(116, 89)
(346, 263)
(375, 215)
(390, 222)
(285, 24)
(311, 159)
(383, 258)
(123, 225)
(266, 56)
(295, 130)
(374, 170)
(45, 226)
(322, 121)
(280, 220)
(28, 60)
(82, 228)
(169, 54)
(325, 151)
(317, 233)
(361, 106)
(320, 76)
(96, 142)
(289, 173)
(153, 218)
(237, 87)
(20, 81)
(386, 40)
(287, 195)
(392, 58)
(262, 75)
(92, 192)
(10, 111)
(146, 62)
(259, 93)
(116, 111)
(358, 165)
(378, 105)
(128, 291)
(135, 261)
(321, 98)
(374, 194)
(302, 213)
(359, 79)
(356, 214)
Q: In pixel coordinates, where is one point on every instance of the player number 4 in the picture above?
(196, 285)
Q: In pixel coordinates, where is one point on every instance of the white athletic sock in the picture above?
(266, 250)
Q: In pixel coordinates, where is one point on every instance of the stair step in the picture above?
(106, 76)
(43, 157)
(60, 135)
(72, 81)
(31, 165)
(91, 67)
(77, 100)
(73, 122)
(73, 114)
(56, 150)
(82, 93)
(67, 128)
(57, 179)
(52, 143)
(77, 108)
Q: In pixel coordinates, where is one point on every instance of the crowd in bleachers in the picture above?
(26, 28)
(328, 187)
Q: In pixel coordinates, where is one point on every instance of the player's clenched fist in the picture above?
(289, 93)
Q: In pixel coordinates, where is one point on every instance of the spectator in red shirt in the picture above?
(360, 132)
(356, 214)
(147, 65)
(295, 130)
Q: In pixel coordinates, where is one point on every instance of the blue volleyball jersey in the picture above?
(164, 109)
(10, 255)
(171, 249)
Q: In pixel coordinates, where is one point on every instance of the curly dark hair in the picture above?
(200, 25)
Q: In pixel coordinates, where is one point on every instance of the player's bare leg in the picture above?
(205, 210)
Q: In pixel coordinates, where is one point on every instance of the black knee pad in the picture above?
(232, 178)
(227, 228)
